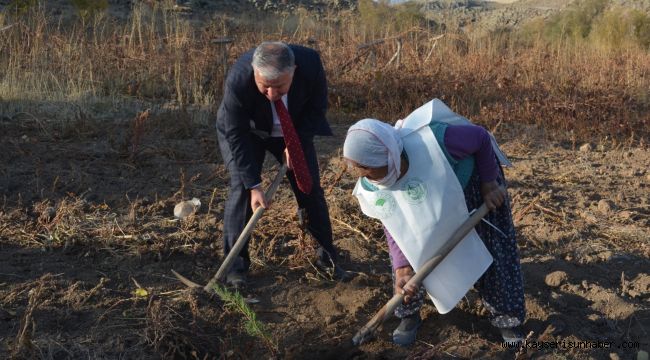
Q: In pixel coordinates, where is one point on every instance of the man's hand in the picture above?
(258, 199)
(287, 158)
(493, 194)
(402, 276)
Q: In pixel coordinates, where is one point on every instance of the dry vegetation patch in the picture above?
(106, 125)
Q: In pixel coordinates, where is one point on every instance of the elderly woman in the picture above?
(407, 168)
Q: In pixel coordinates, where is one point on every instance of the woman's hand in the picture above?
(402, 276)
(493, 194)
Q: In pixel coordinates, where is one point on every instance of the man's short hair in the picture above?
(273, 58)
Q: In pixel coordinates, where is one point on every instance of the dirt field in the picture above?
(86, 220)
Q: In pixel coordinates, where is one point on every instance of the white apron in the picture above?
(422, 210)
(436, 110)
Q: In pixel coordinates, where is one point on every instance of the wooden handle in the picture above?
(244, 236)
(367, 330)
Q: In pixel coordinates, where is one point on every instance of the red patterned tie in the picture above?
(298, 162)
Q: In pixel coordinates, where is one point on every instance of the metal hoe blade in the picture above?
(241, 240)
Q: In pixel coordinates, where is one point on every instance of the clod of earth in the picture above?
(555, 278)
(586, 147)
(605, 206)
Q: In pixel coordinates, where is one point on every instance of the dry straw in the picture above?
(383, 64)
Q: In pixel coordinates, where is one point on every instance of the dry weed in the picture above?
(158, 56)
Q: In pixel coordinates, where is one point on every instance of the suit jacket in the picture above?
(245, 113)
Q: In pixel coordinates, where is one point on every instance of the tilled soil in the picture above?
(88, 241)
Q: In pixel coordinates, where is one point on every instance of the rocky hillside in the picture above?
(465, 15)
(478, 15)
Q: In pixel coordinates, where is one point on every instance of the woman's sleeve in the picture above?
(465, 140)
(396, 256)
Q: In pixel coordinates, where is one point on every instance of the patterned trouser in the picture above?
(501, 287)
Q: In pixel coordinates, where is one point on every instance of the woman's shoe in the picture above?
(407, 330)
(513, 336)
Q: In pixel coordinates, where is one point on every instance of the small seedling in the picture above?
(252, 326)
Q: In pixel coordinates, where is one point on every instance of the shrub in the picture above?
(531, 32)
(575, 23)
(592, 21)
(380, 17)
(19, 7)
(641, 28)
(88, 8)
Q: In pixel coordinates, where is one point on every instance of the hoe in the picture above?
(241, 240)
(367, 331)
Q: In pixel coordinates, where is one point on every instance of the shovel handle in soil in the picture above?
(368, 330)
(244, 236)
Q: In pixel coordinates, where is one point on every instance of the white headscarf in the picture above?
(373, 143)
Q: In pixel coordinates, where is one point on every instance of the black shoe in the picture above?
(407, 330)
(513, 336)
(236, 279)
(334, 270)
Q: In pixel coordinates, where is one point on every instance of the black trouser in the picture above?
(238, 210)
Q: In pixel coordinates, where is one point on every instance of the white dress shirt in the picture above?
(276, 130)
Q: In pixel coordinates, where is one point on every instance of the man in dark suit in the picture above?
(253, 119)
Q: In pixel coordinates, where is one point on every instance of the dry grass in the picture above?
(158, 56)
(59, 80)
